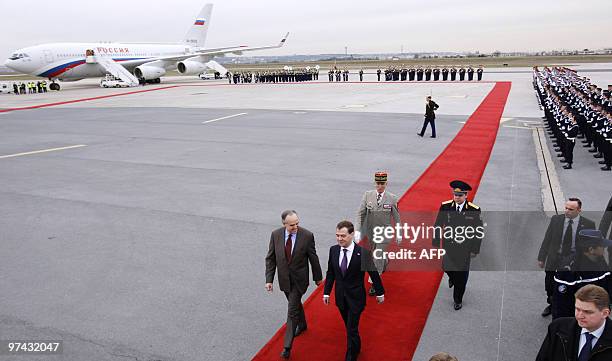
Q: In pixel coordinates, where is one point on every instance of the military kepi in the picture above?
(460, 187)
(380, 176)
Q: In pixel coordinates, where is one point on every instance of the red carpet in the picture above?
(391, 331)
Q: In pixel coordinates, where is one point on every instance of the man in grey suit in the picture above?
(291, 249)
(378, 209)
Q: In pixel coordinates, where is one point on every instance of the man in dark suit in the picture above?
(559, 245)
(346, 267)
(291, 249)
(604, 224)
(430, 117)
(585, 337)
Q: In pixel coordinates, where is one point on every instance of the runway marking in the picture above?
(229, 116)
(516, 127)
(552, 194)
(42, 151)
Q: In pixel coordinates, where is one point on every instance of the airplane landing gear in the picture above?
(54, 86)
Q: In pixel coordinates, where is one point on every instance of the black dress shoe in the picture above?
(286, 353)
(299, 330)
(602, 162)
(420, 135)
(598, 155)
(457, 306)
(547, 311)
(432, 136)
(559, 154)
(568, 166)
(592, 150)
(372, 291)
(606, 168)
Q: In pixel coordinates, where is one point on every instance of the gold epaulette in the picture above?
(447, 202)
(473, 205)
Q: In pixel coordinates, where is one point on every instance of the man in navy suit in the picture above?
(346, 267)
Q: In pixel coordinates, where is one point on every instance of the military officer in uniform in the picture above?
(436, 73)
(411, 73)
(428, 73)
(462, 73)
(453, 73)
(378, 208)
(479, 72)
(419, 73)
(470, 72)
(445, 73)
(459, 214)
(360, 74)
(378, 74)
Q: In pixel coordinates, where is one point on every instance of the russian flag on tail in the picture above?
(200, 22)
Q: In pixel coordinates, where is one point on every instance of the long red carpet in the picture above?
(391, 331)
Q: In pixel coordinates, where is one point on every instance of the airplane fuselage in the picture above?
(68, 61)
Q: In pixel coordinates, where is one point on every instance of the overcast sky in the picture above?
(318, 26)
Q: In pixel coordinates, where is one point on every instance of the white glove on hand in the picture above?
(357, 236)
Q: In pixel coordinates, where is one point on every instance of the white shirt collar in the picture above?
(349, 248)
(597, 333)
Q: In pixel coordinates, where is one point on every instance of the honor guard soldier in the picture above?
(330, 75)
(360, 74)
(411, 73)
(404, 75)
(458, 214)
(445, 73)
(479, 72)
(428, 73)
(378, 208)
(419, 73)
(470, 73)
(453, 73)
(378, 73)
(570, 133)
(462, 73)
(436, 73)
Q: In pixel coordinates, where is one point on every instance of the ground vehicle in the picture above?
(206, 76)
(6, 88)
(112, 82)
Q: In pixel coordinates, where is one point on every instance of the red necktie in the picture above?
(288, 249)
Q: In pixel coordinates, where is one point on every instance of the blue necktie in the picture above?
(343, 264)
(585, 353)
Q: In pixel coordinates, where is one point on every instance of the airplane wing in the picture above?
(238, 50)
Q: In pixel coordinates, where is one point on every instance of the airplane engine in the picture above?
(149, 72)
(190, 67)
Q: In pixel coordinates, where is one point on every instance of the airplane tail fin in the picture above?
(196, 36)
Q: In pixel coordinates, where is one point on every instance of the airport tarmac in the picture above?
(142, 232)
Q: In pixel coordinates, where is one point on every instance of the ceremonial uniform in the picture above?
(479, 72)
(436, 73)
(461, 73)
(459, 250)
(453, 73)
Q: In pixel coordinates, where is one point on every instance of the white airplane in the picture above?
(133, 63)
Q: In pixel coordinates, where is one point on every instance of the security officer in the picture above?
(588, 267)
(458, 215)
(378, 208)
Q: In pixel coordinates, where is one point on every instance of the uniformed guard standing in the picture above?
(378, 208)
(360, 74)
(453, 73)
(428, 73)
(411, 73)
(479, 72)
(470, 73)
(570, 133)
(462, 73)
(436, 73)
(445, 73)
(458, 213)
(419, 73)
(378, 73)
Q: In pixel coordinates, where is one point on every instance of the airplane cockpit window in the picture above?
(17, 56)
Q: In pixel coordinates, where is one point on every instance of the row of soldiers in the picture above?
(575, 109)
(337, 74)
(30, 87)
(428, 73)
(273, 76)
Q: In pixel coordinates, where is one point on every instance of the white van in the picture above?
(6, 88)
(109, 81)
